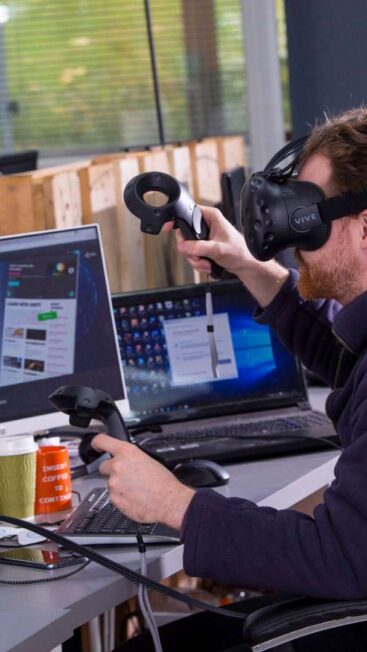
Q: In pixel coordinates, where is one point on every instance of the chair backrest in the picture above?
(284, 621)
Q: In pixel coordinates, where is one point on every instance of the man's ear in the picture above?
(363, 221)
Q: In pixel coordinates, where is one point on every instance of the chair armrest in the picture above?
(283, 622)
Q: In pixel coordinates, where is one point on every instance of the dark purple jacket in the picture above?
(233, 541)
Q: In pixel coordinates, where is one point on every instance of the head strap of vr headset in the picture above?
(329, 209)
(293, 148)
(342, 205)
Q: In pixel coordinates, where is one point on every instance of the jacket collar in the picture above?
(350, 324)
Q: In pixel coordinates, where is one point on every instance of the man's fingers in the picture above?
(107, 444)
(200, 264)
(195, 248)
(167, 227)
(105, 468)
(210, 214)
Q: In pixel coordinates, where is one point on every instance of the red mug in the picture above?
(53, 480)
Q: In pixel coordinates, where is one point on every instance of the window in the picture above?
(75, 75)
(283, 60)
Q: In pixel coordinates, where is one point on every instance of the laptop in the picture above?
(257, 407)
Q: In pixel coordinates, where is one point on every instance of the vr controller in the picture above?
(82, 404)
(179, 207)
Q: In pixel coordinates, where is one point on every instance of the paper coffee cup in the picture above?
(17, 475)
(53, 480)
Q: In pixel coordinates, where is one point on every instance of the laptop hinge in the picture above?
(304, 405)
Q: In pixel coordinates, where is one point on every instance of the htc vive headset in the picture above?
(278, 211)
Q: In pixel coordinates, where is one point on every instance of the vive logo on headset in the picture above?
(305, 218)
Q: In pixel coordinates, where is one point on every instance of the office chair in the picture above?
(285, 621)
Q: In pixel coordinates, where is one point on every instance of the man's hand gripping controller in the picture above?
(82, 404)
(179, 207)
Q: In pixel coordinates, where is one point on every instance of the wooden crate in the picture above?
(43, 199)
(206, 173)
(99, 206)
(18, 212)
(62, 200)
(180, 164)
(231, 153)
(132, 259)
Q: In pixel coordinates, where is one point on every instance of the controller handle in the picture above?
(196, 229)
(82, 404)
(180, 207)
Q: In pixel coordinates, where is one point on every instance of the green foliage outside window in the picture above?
(76, 74)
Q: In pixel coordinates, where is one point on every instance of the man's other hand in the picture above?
(227, 247)
(139, 486)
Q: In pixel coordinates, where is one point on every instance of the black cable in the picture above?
(293, 147)
(143, 599)
(132, 575)
(41, 580)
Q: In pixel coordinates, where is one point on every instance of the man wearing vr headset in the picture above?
(320, 313)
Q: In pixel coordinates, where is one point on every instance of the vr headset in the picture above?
(278, 211)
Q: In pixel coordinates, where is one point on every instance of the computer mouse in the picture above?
(201, 473)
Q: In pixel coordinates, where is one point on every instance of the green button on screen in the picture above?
(43, 316)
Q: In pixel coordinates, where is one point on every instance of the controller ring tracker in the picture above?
(152, 217)
(180, 207)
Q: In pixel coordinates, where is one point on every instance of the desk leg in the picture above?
(109, 630)
(94, 631)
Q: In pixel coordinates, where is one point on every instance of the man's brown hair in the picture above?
(343, 139)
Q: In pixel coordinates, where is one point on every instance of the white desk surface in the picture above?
(36, 618)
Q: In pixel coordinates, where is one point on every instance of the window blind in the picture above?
(76, 74)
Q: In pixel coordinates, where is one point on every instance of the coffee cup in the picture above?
(17, 475)
(53, 480)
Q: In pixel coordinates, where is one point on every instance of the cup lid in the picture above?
(17, 445)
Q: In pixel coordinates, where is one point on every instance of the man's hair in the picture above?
(343, 139)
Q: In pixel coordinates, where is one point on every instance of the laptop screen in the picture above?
(166, 356)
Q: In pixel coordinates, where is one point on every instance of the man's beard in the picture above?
(333, 280)
(313, 283)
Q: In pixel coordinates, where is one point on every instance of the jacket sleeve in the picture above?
(233, 541)
(325, 556)
(305, 328)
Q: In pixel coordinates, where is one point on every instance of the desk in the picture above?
(36, 618)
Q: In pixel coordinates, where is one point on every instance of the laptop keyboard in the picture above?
(104, 518)
(264, 427)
